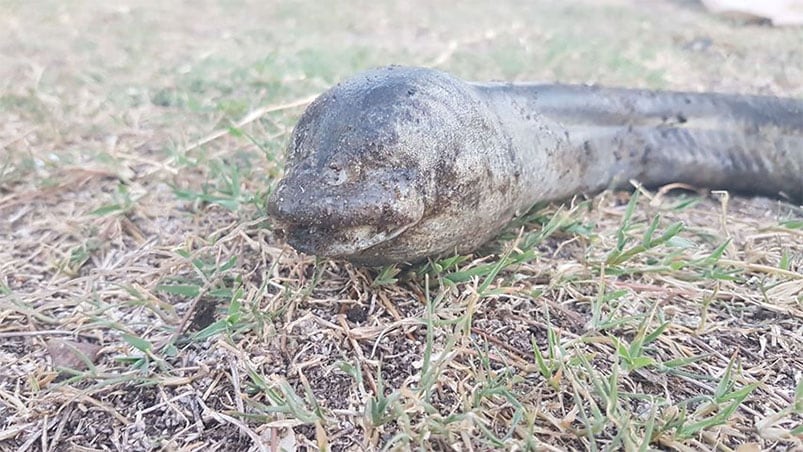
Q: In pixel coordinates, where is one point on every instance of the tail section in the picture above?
(762, 160)
(748, 144)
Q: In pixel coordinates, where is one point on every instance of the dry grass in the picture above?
(145, 303)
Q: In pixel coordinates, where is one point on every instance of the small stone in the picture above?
(72, 354)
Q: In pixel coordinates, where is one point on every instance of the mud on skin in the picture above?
(398, 164)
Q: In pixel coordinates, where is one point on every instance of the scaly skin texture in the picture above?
(399, 164)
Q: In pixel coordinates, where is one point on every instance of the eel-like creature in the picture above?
(398, 164)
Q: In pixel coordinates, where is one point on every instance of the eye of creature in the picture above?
(335, 174)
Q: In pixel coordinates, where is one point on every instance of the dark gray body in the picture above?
(399, 164)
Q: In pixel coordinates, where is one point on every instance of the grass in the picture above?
(145, 302)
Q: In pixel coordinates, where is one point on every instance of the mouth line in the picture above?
(343, 243)
(378, 239)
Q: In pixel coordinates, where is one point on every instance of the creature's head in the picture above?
(380, 167)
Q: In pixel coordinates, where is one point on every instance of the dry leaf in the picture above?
(749, 447)
(72, 354)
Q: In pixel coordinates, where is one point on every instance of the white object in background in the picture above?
(780, 12)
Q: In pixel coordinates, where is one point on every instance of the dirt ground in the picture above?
(145, 303)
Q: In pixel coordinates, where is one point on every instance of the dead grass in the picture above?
(145, 303)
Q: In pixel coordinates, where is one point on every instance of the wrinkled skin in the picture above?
(390, 166)
(399, 164)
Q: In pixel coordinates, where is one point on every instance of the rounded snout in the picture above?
(323, 219)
